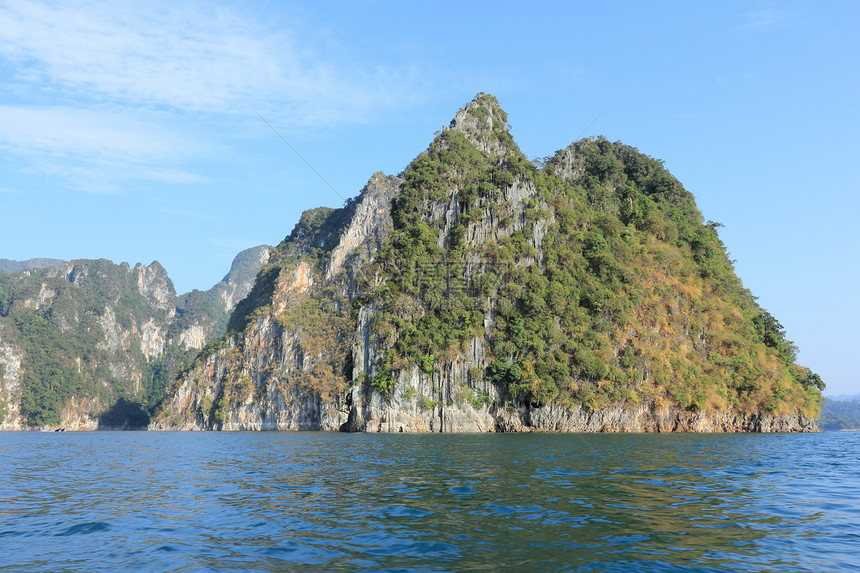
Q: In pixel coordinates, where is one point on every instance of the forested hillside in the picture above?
(479, 290)
(90, 343)
(840, 415)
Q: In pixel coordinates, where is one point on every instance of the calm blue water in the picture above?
(308, 501)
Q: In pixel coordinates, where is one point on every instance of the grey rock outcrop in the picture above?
(10, 385)
(307, 350)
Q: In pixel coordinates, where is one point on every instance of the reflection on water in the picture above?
(191, 501)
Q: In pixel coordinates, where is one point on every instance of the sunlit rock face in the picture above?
(89, 344)
(478, 291)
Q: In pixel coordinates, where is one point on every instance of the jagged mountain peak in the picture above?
(475, 292)
(246, 265)
(483, 111)
(485, 124)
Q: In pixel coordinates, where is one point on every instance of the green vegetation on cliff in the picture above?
(632, 296)
(591, 275)
(74, 332)
(313, 237)
(210, 307)
(105, 341)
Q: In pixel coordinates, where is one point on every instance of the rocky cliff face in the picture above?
(88, 344)
(10, 385)
(477, 292)
(77, 337)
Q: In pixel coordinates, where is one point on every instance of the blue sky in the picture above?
(128, 130)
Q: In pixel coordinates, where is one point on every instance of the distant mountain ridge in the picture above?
(10, 266)
(91, 343)
(843, 397)
(840, 414)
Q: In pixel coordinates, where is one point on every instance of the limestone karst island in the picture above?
(476, 291)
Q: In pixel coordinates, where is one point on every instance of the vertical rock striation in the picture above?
(479, 292)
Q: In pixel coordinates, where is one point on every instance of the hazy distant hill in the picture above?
(844, 397)
(840, 415)
(9, 266)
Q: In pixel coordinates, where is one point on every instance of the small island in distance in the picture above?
(476, 291)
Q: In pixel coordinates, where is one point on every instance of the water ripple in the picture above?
(203, 502)
(84, 529)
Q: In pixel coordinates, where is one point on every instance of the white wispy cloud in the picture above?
(187, 57)
(764, 19)
(140, 56)
(95, 74)
(70, 133)
(95, 150)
